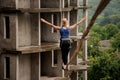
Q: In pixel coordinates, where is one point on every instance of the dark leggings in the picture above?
(65, 48)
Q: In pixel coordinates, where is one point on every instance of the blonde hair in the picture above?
(64, 22)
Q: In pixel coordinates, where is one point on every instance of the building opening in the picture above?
(54, 58)
(7, 27)
(54, 21)
(7, 68)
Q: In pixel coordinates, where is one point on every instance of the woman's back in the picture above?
(64, 32)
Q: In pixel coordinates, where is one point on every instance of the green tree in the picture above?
(115, 41)
(113, 8)
(108, 31)
(105, 67)
(112, 19)
(93, 44)
(96, 28)
(118, 25)
(104, 21)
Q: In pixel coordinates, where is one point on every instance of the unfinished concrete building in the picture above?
(29, 50)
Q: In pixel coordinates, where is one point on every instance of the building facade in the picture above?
(29, 49)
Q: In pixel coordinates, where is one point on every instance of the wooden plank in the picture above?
(60, 78)
(83, 7)
(77, 67)
(78, 37)
(80, 61)
(75, 38)
(54, 78)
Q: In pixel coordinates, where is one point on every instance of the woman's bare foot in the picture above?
(64, 67)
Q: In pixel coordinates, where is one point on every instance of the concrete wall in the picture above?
(1, 67)
(66, 15)
(27, 3)
(56, 3)
(24, 67)
(72, 49)
(7, 3)
(13, 64)
(20, 3)
(11, 42)
(34, 3)
(73, 2)
(28, 29)
(66, 3)
(24, 29)
(50, 4)
(29, 67)
(46, 31)
(23, 3)
(73, 20)
(35, 66)
(34, 29)
(74, 75)
(46, 64)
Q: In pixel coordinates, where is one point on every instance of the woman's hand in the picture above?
(84, 18)
(76, 24)
(43, 20)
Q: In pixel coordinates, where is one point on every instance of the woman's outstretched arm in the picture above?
(76, 24)
(50, 24)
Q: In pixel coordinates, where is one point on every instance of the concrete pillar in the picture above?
(35, 66)
(85, 13)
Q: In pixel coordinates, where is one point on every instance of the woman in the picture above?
(64, 40)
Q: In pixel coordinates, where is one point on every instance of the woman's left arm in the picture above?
(76, 24)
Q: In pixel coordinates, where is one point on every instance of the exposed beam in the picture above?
(36, 10)
(46, 46)
(44, 10)
(34, 49)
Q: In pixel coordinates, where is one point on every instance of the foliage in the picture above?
(93, 44)
(105, 32)
(111, 14)
(105, 67)
(108, 31)
(118, 25)
(114, 19)
(96, 28)
(115, 41)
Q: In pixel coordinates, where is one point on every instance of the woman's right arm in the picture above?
(76, 24)
(50, 24)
